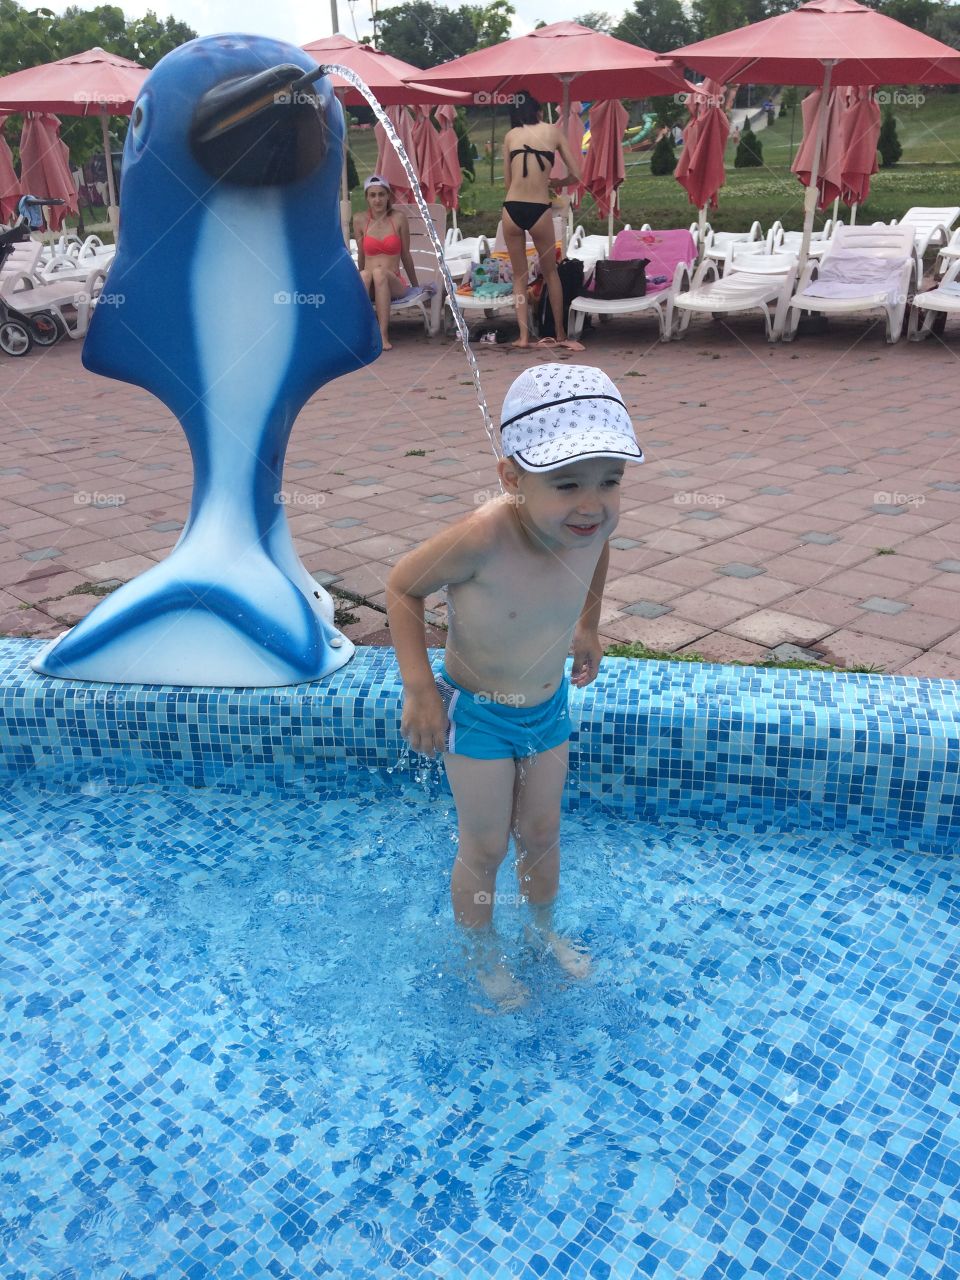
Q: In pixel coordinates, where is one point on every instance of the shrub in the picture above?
(663, 159)
(888, 144)
(749, 152)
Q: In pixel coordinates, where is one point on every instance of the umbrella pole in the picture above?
(810, 195)
(853, 213)
(701, 228)
(564, 119)
(836, 208)
(112, 210)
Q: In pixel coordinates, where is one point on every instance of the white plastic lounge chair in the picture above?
(425, 297)
(790, 241)
(949, 254)
(24, 260)
(885, 259)
(70, 301)
(717, 244)
(931, 224)
(751, 282)
(74, 259)
(926, 308)
(670, 253)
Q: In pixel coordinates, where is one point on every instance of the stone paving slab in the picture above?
(787, 489)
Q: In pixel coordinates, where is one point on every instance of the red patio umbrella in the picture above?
(860, 131)
(822, 43)
(603, 169)
(451, 175)
(700, 169)
(829, 169)
(387, 77)
(10, 190)
(91, 83)
(45, 167)
(554, 57)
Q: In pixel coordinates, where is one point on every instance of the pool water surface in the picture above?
(239, 1039)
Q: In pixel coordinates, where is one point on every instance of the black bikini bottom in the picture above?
(524, 213)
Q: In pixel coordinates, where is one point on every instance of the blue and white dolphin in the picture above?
(232, 298)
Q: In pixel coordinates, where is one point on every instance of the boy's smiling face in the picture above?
(568, 507)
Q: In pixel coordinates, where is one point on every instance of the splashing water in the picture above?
(334, 68)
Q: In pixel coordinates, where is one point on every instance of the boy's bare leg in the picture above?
(536, 829)
(483, 792)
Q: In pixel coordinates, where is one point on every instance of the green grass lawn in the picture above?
(928, 122)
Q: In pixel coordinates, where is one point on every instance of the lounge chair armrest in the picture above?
(706, 267)
(20, 282)
(681, 277)
(97, 276)
(810, 273)
(755, 232)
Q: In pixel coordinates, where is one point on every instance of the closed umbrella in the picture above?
(428, 157)
(827, 174)
(603, 169)
(10, 190)
(451, 175)
(389, 165)
(824, 43)
(700, 169)
(860, 131)
(573, 128)
(45, 167)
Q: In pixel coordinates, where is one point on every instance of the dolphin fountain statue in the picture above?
(232, 299)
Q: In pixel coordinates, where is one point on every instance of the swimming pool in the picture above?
(238, 1039)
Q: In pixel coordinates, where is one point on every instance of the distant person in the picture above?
(383, 242)
(529, 149)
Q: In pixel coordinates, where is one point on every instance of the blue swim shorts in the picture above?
(491, 727)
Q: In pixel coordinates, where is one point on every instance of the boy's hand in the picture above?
(423, 722)
(587, 652)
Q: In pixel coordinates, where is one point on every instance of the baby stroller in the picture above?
(19, 332)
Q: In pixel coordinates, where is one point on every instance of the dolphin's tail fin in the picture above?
(245, 624)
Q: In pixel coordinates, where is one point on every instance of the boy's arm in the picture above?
(587, 650)
(451, 556)
(589, 619)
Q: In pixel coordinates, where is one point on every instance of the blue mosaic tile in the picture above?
(737, 570)
(866, 753)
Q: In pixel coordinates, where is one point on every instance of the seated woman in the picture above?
(383, 242)
(528, 154)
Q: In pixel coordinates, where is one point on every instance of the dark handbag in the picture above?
(626, 279)
(570, 272)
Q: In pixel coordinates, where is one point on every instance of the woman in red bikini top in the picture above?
(383, 242)
(529, 149)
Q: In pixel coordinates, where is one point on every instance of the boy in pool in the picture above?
(525, 575)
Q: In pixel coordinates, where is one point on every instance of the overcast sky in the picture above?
(310, 19)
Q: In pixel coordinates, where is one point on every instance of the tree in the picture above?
(750, 151)
(491, 23)
(888, 144)
(656, 24)
(597, 21)
(29, 38)
(944, 25)
(663, 159)
(425, 34)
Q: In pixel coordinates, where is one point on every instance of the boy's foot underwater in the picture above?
(496, 981)
(572, 957)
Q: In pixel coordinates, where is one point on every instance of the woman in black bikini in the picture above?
(528, 154)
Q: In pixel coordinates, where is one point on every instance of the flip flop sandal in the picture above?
(548, 342)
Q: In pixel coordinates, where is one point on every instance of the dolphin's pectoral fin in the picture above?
(175, 631)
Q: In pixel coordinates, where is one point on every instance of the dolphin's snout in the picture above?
(265, 129)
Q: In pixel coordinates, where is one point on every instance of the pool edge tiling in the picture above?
(823, 751)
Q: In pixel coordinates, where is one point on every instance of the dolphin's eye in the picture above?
(140, 123)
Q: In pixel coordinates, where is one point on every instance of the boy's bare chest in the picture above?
(523, 596)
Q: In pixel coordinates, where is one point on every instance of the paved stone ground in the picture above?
(804, 494)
